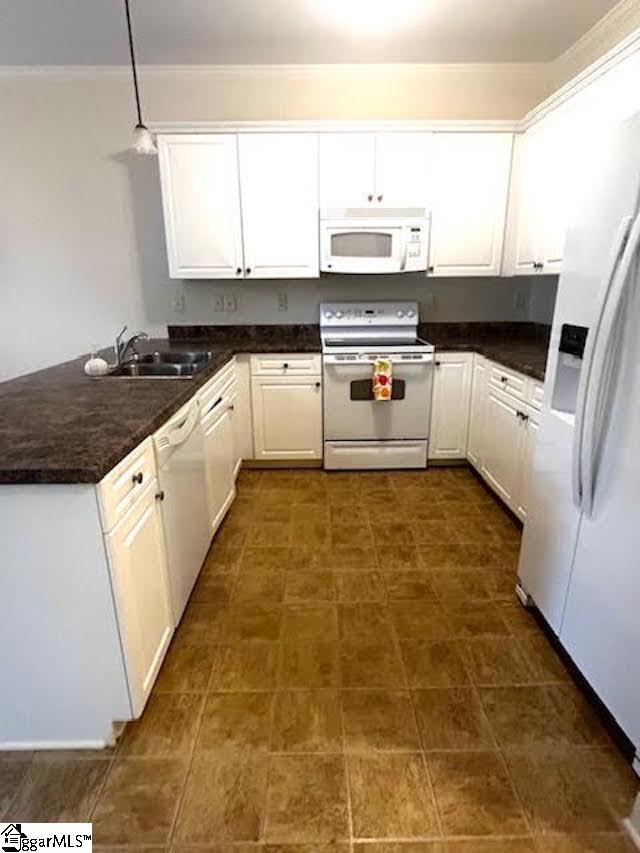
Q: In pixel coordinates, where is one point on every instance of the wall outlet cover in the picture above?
(179, 302)
(283, 301)
(218, 302)
(230, 302)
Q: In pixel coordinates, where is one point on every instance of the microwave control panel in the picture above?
(414, 242)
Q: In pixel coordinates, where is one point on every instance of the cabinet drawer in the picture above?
(535, 396)
(217, 386)
(122, 486)
(285, 365)
(508, 381)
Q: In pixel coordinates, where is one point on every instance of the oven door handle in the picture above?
(405, 252)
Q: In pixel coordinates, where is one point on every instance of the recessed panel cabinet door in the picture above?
(347, 169)
(201, 201)
(530, 437)
(477, 411)
(279, 190)
(219, 463)
(287, 417)
(404, 169)
(502, 446)
(450, 409)
(471, 183)
(139, 576)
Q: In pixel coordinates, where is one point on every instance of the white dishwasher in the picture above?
(181, 474)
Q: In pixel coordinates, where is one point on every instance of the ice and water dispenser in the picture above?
(568, 369)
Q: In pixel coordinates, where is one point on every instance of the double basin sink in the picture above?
(159, 364)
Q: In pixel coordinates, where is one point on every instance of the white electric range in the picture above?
(360, 432)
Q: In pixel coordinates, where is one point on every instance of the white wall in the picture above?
(68, 254)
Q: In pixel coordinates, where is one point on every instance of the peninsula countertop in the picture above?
(60, 426)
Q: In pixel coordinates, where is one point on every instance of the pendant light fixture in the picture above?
(143, 140)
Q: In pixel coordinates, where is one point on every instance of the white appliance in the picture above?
(580, 558)
(360, 432)
(376, 240)
(181, 475)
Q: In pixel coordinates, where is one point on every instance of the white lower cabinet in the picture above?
(287, 417)
(503, 428)
(450, 409)
(477, 411)
(137, 563)
(219, 460)
(502, 445)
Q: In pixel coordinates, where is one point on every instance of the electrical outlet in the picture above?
(283, 301)
(519, 300)
(179, 302)
(230, 302)
(218, 302)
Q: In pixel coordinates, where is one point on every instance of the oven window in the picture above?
(361, 244)
(362, 389)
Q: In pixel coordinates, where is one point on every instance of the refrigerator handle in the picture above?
(587, 362)
(593, 423)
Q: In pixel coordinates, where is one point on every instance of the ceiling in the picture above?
(215, 32)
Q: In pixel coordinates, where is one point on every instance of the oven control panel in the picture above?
(368, 314)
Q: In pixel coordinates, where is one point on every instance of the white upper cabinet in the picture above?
(347, 169)
(279, 191)
(471, 186)
(403, 169)
(362, 169)
(201, 199)
(540, 196)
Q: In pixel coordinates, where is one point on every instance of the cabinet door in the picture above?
(287, 417)
(529, 174)
(347, 169)
(530, 428)
(477, 411)
(219, 462)
(279, 189)
(139, 576)
(201, 201)
(471, 175)
(450, 409)
(403, 169)
(502, 446)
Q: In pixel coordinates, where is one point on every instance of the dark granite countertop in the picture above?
(60, 426)
(521, 346)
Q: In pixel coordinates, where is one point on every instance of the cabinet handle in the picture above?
(437, 363)
(231, 407)
(370, 197)
(285, 366)
(380, 197)
(160, 496)
(429, 269)
(239, 271)
(504, 379)
(248, 270)
(317, 384)
(138, 478)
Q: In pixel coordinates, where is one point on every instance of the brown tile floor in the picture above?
(353, 669)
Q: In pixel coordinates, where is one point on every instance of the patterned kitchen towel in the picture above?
(382, 379)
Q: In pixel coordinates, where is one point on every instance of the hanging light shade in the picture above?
(143, 140)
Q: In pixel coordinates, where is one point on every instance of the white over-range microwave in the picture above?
(360, 240)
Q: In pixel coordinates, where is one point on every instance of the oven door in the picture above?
(354, 247)
(351, 413)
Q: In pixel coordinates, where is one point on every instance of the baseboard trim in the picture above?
(281, 463)
(632, 832)
(33, 745)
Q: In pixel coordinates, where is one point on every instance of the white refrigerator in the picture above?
(580, 557)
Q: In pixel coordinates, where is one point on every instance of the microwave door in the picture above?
(361, 249)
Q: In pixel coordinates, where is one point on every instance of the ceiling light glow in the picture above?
(368, 17)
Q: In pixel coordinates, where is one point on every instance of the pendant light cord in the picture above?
(133, 61)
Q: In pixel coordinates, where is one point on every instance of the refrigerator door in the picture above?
(605, 194)
(601, 626)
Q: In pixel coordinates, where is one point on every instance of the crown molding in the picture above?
(611, 29)
(329, 125)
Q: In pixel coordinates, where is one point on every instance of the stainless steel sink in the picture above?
(176, 358)
(164, 364)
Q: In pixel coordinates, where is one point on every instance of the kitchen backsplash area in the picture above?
(284, 302)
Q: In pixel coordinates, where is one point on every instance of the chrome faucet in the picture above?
(122, 347)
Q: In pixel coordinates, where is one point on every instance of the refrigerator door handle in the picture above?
(607, 339)
(577, 471)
